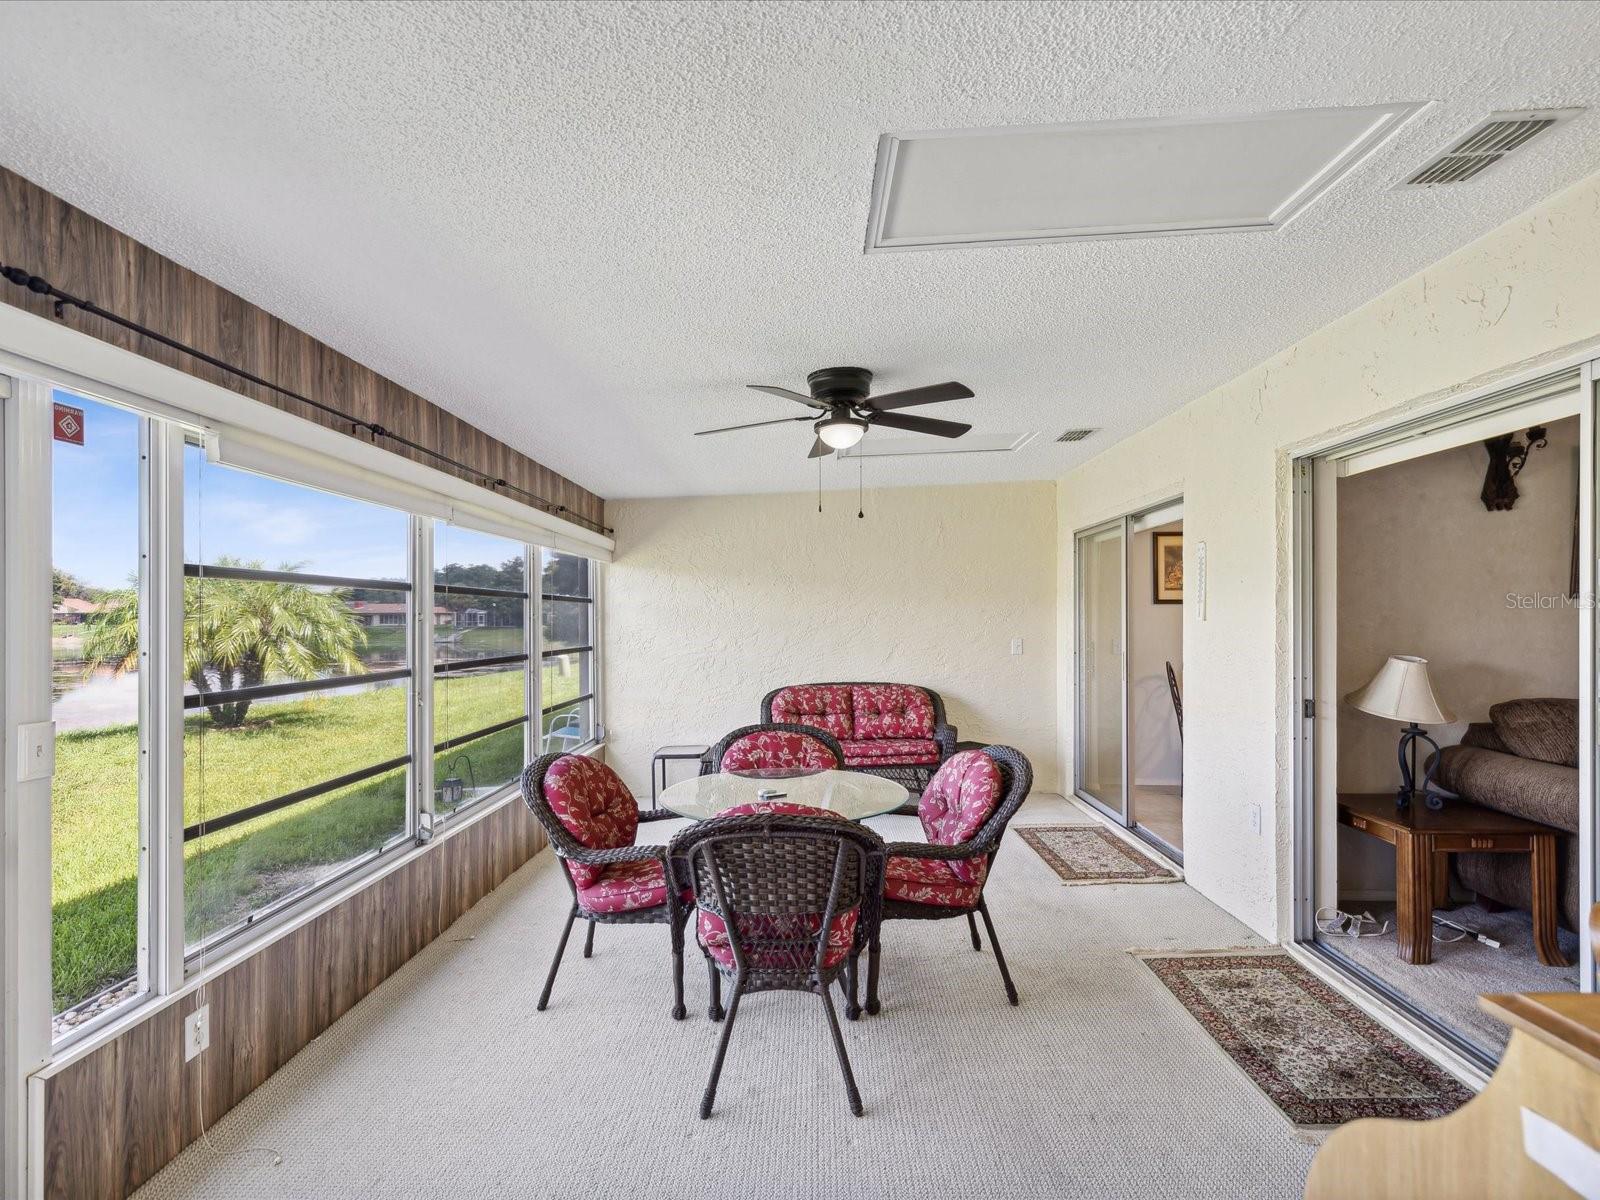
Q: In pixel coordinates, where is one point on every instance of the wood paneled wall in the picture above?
(46, 236)
(117, 1116)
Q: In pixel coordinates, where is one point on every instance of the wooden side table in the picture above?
(1423, 840)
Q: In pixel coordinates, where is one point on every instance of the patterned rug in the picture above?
(1317, 1056)
(1085, 854)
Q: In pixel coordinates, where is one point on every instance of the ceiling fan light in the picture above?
(840, 433)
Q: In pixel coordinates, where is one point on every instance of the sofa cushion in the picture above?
(957, 801)
(776, 749)
(891, 710)
(1482, 735)
(823, 706)
(1543, 730)
(594, 806)
(887, 752)
(626, 887)
(934, 880)
(778, 941)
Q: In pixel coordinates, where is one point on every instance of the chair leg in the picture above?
(844, 1059)
(555, 965)
(994, 944)
(679, 1012)
(972, 924)
(588, 941)
(872, 978)
(710, 1097)
(847, 983)
(715, 976)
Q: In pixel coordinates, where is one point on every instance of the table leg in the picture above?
(1413, 870)
(658, 766)
(1545, 902)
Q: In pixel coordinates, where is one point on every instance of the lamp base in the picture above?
(1409, 736)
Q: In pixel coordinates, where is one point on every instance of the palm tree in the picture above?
(238, 633)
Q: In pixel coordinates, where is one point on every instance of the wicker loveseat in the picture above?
(896, 730)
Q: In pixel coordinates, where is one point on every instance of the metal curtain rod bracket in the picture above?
(43, 287)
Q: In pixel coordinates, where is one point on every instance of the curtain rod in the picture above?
(43, 287)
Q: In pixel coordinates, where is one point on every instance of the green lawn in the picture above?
(230, 873)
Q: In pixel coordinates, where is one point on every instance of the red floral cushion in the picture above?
(781, 807)
(933, 880)
(778, 749)
(779, 941)
(595, 807)
(627, 887)
(891, 752)
(821, 706)
(891, 710)
(958, 800)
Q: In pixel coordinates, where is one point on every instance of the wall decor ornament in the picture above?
(1166, 567)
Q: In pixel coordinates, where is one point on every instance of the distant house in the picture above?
(473, 618)
(73, 611)
(371, 613)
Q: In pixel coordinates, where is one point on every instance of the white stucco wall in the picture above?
(1521, 295)
(713, 601)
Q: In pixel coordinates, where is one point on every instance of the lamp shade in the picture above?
(1401, 691)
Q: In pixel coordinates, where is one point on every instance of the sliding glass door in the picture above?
(1100, 768)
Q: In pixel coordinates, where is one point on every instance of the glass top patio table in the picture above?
(849, 793)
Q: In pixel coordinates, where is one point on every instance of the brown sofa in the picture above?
(1523, 761)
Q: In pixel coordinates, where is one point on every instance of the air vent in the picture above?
(1487, 144)
(1076, 435)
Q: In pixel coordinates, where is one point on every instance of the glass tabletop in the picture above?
(848, 793)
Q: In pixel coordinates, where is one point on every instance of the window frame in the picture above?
(589, 654)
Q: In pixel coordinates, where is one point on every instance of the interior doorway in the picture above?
(1128, 759)
(1445, 570)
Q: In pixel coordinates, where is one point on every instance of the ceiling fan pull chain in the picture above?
(819, 485)
(861, 471)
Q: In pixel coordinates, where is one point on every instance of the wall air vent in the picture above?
(1076, 435)
(1486, 144)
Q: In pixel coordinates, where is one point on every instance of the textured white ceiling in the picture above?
(585, 226)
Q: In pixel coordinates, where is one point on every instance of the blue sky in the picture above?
(95, 530)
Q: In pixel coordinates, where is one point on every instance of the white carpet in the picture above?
(446, 1083)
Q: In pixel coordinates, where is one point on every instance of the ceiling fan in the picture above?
(840, 395)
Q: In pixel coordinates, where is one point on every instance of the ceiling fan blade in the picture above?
(808, 401)
(949, 429)
(753, 425)
(820, 449)
(931, 394)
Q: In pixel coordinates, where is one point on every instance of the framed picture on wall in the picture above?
(1166, 564)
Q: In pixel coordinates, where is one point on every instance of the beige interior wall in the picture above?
(1155, 638)
(711, 602)
(1521, 297)
(1425, 569)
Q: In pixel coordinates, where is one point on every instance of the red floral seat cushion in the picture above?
(887, 752)
(594, 806)
(775, 749)
(934, 880)
(626, 887)
(780, 807)
(779, 941)
(822, 706)
(956, 803)
(890, 710)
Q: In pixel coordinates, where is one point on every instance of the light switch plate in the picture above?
(196, 1032)
(1016, 645)
(36, 751)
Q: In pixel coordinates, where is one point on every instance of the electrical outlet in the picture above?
(1255, 819)
(196, 1032)
(1016, 645)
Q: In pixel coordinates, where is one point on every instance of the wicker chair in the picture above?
(940, 879)
(774, 744)
(913, 776)
(787, 900)
(591, 825)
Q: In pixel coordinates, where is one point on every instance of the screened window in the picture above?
(480, 665)
(97, 644)
(567, 670)
(295, 694)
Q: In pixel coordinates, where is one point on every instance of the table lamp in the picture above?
(1401, 691)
